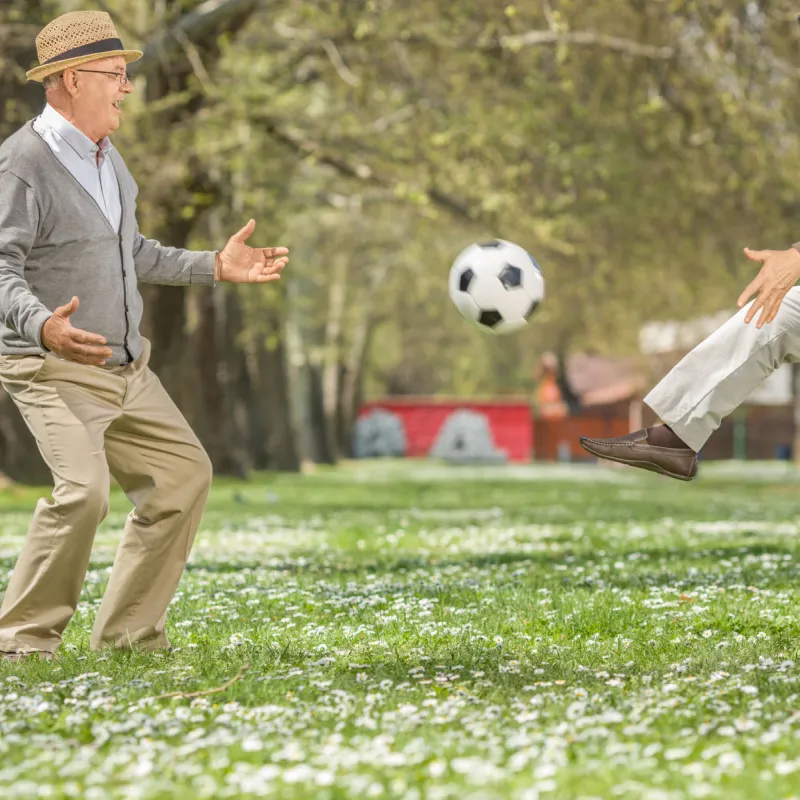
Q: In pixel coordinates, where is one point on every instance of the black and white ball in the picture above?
(496, 285)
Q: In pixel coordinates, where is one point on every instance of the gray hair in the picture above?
(51, 81)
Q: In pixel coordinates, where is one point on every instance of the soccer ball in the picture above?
(496, 285)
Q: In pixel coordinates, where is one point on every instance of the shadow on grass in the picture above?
(647, 570)
(305, 562)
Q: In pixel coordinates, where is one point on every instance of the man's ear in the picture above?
(69, 78)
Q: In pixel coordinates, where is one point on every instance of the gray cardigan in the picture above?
(55, 242)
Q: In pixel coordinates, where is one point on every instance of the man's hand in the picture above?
(70, 343)
(240, 263)
(780, 272)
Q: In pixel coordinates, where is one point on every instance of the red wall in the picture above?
(510, 422)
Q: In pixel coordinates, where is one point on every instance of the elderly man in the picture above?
(75, 363)
(719, 374)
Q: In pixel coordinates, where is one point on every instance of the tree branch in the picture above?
(360, 172)
(627, 46)
(120, 22)
(512, 42)
(208, 17)
(194, 58)
(342, 70)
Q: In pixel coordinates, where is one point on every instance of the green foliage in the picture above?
(635, 148)
(636, 179)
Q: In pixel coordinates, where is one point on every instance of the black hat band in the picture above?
(93, 49)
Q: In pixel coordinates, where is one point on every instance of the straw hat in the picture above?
(75, 38)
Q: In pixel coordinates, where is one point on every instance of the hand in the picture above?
(240, 263)
(780, 272)
(70, 343)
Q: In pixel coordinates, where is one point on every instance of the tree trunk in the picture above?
(298, 382)
(20, 459)
(349, 399)
(304, 371)
(352, 381)
(188, 365)
(213, 423)
(321, 453)
(247, 430)
(19, 101)
(332, 361)
(169, 355)
(270, 359)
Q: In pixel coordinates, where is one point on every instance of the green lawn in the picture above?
(418, 631)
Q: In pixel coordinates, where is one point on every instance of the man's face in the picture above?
(96, 96)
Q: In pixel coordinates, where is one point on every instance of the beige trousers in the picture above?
(90, 422)
(720, 373)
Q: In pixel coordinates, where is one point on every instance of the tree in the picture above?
(633, 147)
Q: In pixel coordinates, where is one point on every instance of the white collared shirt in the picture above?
(79, 154)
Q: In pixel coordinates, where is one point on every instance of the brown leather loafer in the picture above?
(633, 450)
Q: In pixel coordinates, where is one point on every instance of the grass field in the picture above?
(417, 631)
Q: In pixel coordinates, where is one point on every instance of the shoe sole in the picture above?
(648, 465)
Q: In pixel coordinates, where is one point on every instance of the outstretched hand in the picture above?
(73, 344)
(780, 271)
(240, 263)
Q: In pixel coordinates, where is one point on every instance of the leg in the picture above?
(67, 421)
(704, 387)
(721, 372)
(163, 469)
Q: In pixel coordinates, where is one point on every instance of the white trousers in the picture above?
(721, 372)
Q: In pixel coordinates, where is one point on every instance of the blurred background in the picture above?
(633, 146)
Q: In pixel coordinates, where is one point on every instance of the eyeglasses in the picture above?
(122, 77)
